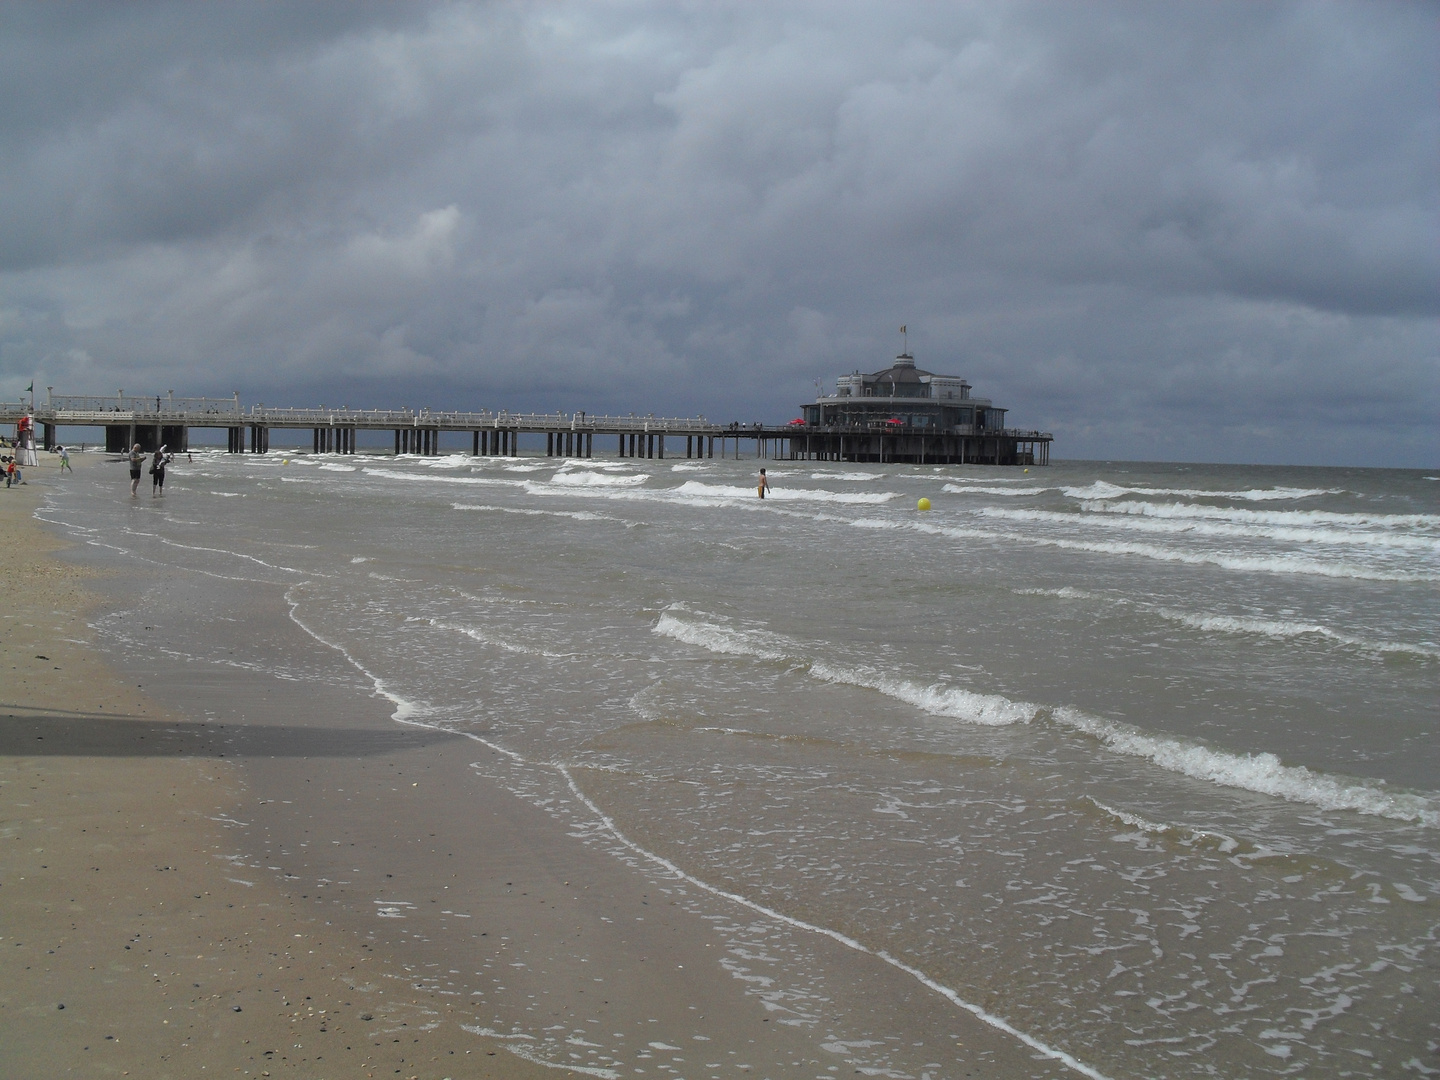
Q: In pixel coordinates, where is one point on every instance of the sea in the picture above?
(1135, 762)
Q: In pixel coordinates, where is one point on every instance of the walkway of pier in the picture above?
(157, 420)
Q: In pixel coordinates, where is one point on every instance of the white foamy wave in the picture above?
(1285, 628)
(592, 478)
(1279, 563)
(1065, 592)
(574, 515)
(415, 477)
(992, 480)
(494, 641)
(1227, 844)
(976, 489)
(991, 710)
(1135, 821)
(783, 494)
(1262, 773)
(1266, 517)
(718, 638)
(328, 467)
(1100, 489)
(936, 698)
(844, 476)
(1197, 525)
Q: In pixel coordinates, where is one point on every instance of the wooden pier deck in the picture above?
(166, 420)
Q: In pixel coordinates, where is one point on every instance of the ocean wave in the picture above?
(1224, 844)
(1247, 624)
(937, 699)
(525, 511)
(1278, 563)
(783, 494)
(1286, 628)
(992, 480)
(844, 476)
(1266, 517)
(594, 478)
(416, 477)
(1262, 773)
(979, 490)
(1065, 592)
(1101, 489)
(1197, 525)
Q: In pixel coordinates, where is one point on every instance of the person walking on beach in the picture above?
(137, 462)
(764, 484)
(157, 473)
(64, 458)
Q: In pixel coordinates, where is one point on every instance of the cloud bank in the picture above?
(1203, 232)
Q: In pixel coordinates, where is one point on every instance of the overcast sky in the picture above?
(1200, 231)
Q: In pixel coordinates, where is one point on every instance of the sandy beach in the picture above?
(132, 946)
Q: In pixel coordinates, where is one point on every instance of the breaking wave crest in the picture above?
(1285, 628)
(975, 489)
(595, 478)
(1136, 517)
(1262, 773)
(937, 699)
(1100, 489)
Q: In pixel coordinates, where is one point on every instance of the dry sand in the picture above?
(127, 945)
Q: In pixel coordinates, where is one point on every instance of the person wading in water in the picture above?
(157, 472)
(137, 463)
(764, 484)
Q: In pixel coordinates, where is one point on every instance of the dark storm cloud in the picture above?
(1162, 230)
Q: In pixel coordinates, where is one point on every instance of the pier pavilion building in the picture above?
(904, 413)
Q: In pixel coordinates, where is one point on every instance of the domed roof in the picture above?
(902, 373)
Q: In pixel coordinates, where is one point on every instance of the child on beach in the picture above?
(64, 458)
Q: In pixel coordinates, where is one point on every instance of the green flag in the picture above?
(31, 388)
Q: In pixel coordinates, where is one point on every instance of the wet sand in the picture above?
(214, 871)
(130, 944)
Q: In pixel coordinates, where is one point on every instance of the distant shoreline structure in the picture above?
(903, 413)
(852, 435)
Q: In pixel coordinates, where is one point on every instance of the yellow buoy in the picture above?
(1027, 470)
(923, 504)
(285, 462)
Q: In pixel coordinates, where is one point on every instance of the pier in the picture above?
(166, 420)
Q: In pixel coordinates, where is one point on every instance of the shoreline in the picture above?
(440, 916)
(131, 946)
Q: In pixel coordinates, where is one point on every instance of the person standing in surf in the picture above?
(157, 473)
(137, 462)
(764, 484)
